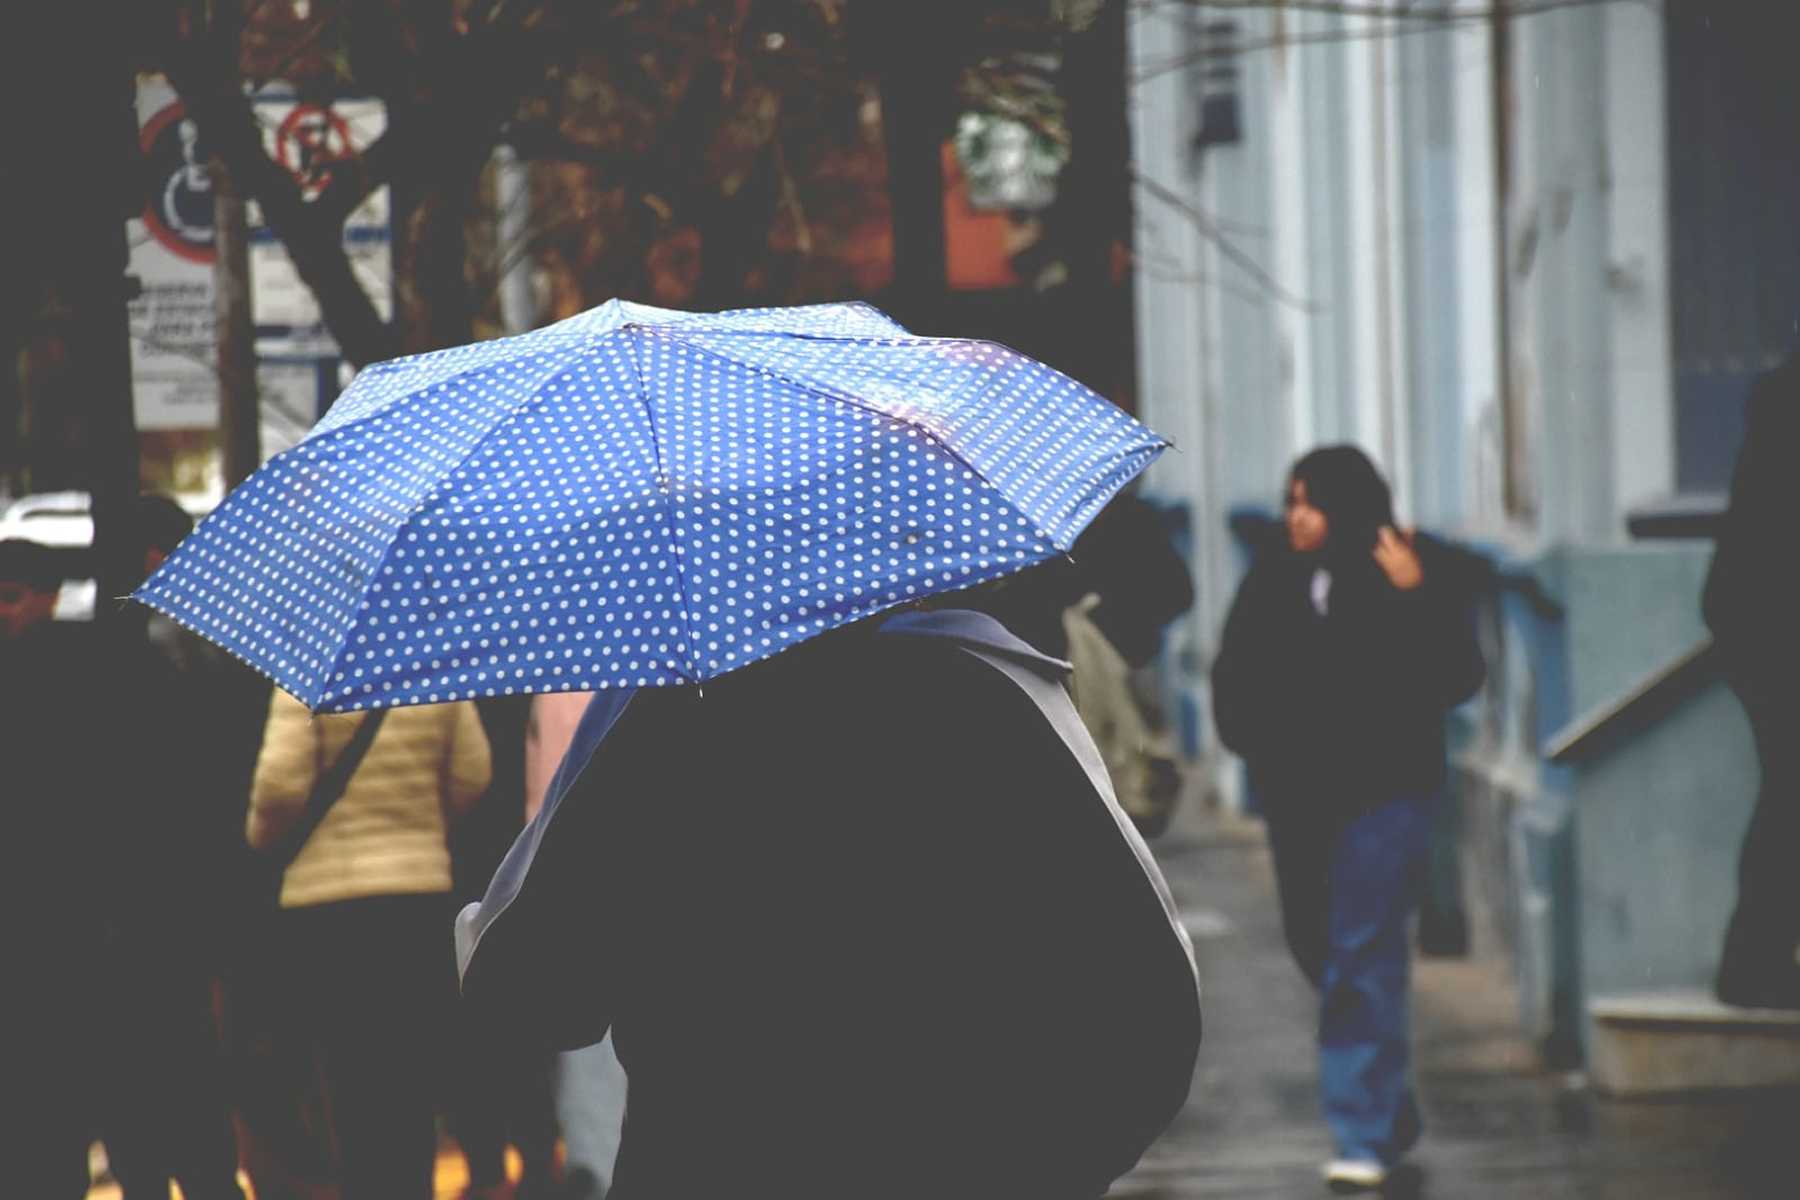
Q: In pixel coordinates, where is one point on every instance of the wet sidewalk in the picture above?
(1498, 1126)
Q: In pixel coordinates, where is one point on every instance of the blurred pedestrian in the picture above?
(363, 917)
(1104, 609)
(1141, 582)
(499, 1097)
(1343, 652)
(1135, 583)
(1754, 626)
(47, 731)
(589, 1084)
(168, 806)
(862, 918)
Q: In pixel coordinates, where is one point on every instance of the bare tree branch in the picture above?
(205, 75)
(1402, 22)
(355, 178)
(790, 200)
(1347, 8)
(1161, 270)
(466, 111)
(1440, 11)
(300, 47)
(1233, 253)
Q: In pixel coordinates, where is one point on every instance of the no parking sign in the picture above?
(309, 142)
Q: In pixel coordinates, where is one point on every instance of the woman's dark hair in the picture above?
(161, 522)
(1343, 484)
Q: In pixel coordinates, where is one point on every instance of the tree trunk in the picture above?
(315, 246)
(207, 79)
(13, 314)
(1091, 218)
(431, 293)
(240, 414)
(734, 235)
(917, 78)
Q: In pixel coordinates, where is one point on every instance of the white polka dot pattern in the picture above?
(636, 497)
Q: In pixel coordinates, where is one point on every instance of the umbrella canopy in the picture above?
(638, 497)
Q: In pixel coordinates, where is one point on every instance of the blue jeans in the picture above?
(1348, 892)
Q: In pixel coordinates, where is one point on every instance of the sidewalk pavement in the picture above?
(1497, 1125)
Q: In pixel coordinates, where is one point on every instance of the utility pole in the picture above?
(512, 203)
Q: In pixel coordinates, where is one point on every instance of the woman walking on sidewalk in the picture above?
(368, 960)
(1344, 649)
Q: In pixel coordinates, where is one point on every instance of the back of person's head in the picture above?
(1128, 534)
(160, 523)
(1128, 557)
(1345, 485)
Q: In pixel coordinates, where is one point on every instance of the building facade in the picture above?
(1530, 261)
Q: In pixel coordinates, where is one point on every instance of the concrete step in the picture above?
(1676, 1040)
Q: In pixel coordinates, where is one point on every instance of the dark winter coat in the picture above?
(1750, 614)
(1344, 710)
(52, 692)
(860, 926)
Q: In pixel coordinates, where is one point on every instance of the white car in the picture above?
(58, 519)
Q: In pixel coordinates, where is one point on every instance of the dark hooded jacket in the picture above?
(1749, 613)
(859, 923)
(1344, 710)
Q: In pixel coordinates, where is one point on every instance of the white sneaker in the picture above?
(1354, 1175)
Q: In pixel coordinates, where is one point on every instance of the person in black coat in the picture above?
(49, 676)
(168, 838)
(498, 1097)
(1347, 644)
(1752, 621)
(861, 922)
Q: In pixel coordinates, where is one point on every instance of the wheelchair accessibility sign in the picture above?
(178, 206)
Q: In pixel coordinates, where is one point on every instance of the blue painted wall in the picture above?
(1616, 873)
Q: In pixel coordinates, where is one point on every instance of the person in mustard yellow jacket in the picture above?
(365, 920)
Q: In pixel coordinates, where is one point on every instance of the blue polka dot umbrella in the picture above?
(638, 497)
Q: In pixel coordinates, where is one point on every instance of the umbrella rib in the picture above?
(662, 481)
(699, 323)
(577, 341)
(937, 439)
(899, 335)
(531, 394)
(894, 335)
